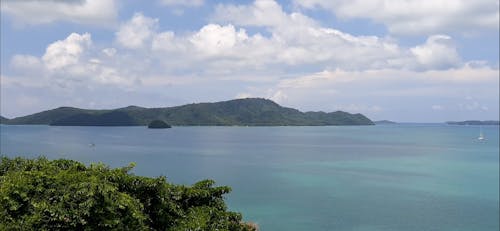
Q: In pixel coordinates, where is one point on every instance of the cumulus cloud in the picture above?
(417, 17)
(66, 52)
(165, 41)
(295, 40)
(32, 12)
(229, 52)
(260, 13)
(296, 62)
(110, 52)
(299, 40)
(137, 31)
(215, 39)
(70, 64)
(438, 52)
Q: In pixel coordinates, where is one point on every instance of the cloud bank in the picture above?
(412, 17)
(33, 12)
(292, 59)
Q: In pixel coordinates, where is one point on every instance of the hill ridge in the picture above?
(239, 112)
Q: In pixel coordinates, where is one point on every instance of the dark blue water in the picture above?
(394, 177)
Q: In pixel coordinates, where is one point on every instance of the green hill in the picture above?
(3, 120)
(50, 116)
(239, 112)
(112, 118)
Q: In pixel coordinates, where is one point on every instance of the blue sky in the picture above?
(415, 60)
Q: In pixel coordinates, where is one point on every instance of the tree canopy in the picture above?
(42, 194)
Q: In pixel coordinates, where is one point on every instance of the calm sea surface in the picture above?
(386, 177)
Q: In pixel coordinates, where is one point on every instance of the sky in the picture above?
(406, 61)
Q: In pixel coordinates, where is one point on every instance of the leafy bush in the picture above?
(40, 194)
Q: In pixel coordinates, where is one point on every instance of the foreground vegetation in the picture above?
(42, 194)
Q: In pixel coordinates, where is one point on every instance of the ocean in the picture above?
(356, 178)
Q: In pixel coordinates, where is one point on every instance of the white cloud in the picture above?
(190, 3)
(397, 78)
(417, 16)
(260, 13)
(25, 63)
(299, 40)
(214, 39)
(137, 31)
(243, 95)
(390, 90)
(110, 52)
(438, 52)
(106, 75)
(73, 63)
(164, 41)
(294, 41)
(32, 12)
(66, 52)
(368, 74)
(230, 53)
(278, 96)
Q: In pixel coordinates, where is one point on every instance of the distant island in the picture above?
(384, 122)
(474, 122)
(158, 124)
(238, 112)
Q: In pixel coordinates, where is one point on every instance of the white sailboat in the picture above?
(481, 136)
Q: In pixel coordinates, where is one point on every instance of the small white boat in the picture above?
(481, 136)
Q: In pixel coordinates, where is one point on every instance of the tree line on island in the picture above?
(474, 122)
(239, 112)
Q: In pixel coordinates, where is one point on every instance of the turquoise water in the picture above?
(390, 177)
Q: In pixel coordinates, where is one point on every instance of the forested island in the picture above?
(238, 112)
(42, 194)
(156, 124)
(474, 122)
